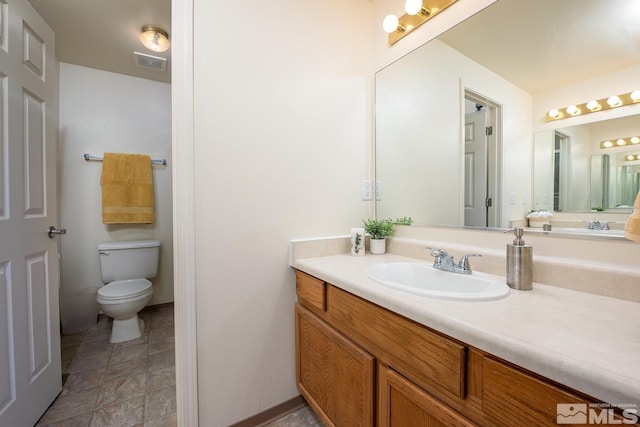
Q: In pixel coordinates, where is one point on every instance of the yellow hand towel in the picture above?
(632, 226)
(127, 189)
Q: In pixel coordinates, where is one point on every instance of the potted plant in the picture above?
(379, 229)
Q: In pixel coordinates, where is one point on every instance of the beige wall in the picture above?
(282, 131)
(107, 112)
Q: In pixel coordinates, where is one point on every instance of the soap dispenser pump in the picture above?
(519, 263)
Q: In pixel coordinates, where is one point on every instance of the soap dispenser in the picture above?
(519, 263)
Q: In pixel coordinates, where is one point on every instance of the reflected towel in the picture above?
(632, 227)
(127, 189)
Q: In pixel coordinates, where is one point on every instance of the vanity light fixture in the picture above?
(594, 105)
(632, 157)
(417, 13)
(154, 38)
(620, 142)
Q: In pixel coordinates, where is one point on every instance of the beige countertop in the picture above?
(588, 342)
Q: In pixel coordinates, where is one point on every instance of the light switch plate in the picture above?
(365, 189)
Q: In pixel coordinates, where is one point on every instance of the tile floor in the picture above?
(130, 384)
(120, 385)
(303, 417)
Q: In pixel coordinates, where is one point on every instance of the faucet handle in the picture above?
(435, 252)
(463, 264)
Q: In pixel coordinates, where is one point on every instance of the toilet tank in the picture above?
(129, 259)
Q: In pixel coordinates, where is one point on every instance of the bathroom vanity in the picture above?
(370, 355)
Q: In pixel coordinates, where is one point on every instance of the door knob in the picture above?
(52, 231)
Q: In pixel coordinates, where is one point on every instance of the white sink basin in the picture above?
(424, 280)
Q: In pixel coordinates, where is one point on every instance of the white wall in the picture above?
(106, 112)
(282, 139)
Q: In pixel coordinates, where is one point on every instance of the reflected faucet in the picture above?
(443, 261)
(597, 225)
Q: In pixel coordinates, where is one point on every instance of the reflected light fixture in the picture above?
(417, 13)
(594, 105)
(620, 142)
(154, 38)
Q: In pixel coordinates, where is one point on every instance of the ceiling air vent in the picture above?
(151, 62)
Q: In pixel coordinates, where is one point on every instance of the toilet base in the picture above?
(126, 330)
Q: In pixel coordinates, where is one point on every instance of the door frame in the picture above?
(182, 95)
(494, 154)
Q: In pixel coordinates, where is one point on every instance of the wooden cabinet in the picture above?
(514, 398)
(334, 375)
(403, 404)
(423, 378)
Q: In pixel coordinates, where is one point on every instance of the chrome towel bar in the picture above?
(99, 158)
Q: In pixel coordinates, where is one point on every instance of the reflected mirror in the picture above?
(456, 119)
(589, 167)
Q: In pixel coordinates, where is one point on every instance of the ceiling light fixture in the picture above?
(417, 13)
(594, 105)
(154, 38)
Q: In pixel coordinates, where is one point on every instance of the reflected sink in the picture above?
(424, 280)
(589, 231)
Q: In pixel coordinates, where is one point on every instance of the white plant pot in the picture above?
(377, 246)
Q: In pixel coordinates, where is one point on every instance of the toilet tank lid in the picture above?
(128, 244)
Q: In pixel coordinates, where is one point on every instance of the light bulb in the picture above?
(638, 157)
(614, 101)
(631, 157)
(607, 144)
(413, 7)
(554, 113)
(593, 105)
(390, 23)
(635, 140)
(154, 38)
(635, 96)
(573, 110)
(621, 142)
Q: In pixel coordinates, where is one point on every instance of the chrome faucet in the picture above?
(597, 225)
(443, 261)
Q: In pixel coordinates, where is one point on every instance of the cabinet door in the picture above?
(333, 374)
(403, 404)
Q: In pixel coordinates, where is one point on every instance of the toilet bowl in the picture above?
(122, 300)
(125, 267)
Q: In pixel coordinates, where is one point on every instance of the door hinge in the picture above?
(488, 202)
(488, 130)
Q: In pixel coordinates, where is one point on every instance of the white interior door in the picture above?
(30, 369)
(475, 169)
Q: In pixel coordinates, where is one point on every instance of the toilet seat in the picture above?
(124, 289)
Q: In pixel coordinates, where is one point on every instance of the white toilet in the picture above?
(125, 267)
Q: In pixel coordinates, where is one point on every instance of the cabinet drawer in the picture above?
(310, 290)
(429, 359)
(515, 398)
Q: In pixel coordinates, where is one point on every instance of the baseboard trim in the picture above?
(272, 414)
